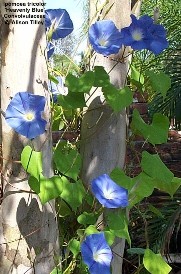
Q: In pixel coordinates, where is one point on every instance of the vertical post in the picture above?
(28, 238)
(103, 134)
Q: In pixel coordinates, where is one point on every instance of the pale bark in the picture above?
(28, 239)
(103, 132)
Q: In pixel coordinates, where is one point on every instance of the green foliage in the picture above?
(72, 100)
(77, 210)
(82, 84)
(67, 160)
(143, 187)
(73, 193)
(110, 237)
(76, 207)
(48, 188)
(52, 78)
(74, 247)
(87, 218)
(156, 133)
(153, 166)
(91, 229)
(137, 78)
(139, 251)
(101, 77)
(122, 179)
(56, 271)
(32, 161)
(163, 178)
(65, 63)
(154, 263)
(57, 118)
(160, 82)
(63, 208)
(118, 99)
(118, 224)
(171, 104)
(168, 61)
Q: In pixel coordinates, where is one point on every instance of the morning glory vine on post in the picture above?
(87, 245)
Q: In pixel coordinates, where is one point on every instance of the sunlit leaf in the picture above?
(118, 99)
(91, 229)
(32, 161)
(110, 237)
(74, 247)
(52, 78)
(137, 78)
(154, 263)
(56, 271)
(51, 188)
(73, 193)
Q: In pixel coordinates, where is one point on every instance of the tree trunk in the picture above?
(103, 132)
(28, 238)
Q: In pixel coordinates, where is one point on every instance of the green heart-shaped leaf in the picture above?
(156, 133)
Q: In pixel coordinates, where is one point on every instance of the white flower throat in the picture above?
(97, 256)
(103, 42)
(29, 116)
(137, 35)
(109, 194)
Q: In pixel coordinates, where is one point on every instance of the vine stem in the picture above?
(124, 259)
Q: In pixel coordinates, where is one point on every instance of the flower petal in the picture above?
(96, 253)
(50, 49)
(60, 20)
(57, 89)
(144, 34)
(105, 38)
(108, 193)
(23, 105)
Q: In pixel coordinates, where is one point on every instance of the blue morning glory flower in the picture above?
(23, 114)
(108, 193)
(158, 42)
(57, 89)
(50, 49)
(137, 35)
(144, 34)
(58, 22)
(105, 38)
(96, 254)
